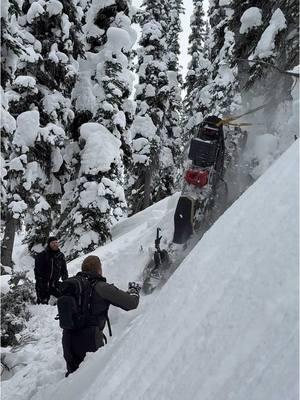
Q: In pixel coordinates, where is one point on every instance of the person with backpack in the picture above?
(50, 267)
(83, 310)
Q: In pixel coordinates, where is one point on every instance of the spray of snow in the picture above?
(267, 141)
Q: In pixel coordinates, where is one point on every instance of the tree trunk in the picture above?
(147, 188)
(8, 242)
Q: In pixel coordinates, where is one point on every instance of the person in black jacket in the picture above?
(76, 343)
(50, 267)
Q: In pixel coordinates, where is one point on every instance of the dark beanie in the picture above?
(51, 239)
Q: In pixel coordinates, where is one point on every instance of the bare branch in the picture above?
(294, 74)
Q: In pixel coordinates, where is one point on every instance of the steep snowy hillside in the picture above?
(39, 362)
(225, 326)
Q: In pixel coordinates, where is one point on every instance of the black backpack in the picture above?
(75, 302)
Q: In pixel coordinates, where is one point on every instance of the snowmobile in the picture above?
(152, 274)
(204, 190)
(202, 179)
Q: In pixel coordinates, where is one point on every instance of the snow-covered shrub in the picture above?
(14, 308)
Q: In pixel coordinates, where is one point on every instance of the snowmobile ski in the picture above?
(183, 220)
(154, 272)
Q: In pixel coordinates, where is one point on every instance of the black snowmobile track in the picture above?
(183, 220)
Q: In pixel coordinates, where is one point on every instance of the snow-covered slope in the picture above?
(39, 362)
(225, 326)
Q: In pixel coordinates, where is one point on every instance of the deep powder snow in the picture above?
(225, 326)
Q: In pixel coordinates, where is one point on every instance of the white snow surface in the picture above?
(7, 121)
(17, 208)
(251, 18)
(225, 325)
(54, 7)
(25, 81)
(35, 10)
(118, 39)
(145, 130)
(83, 90)
(101, 148)
(224, 3)
(34, 173)
(266, 44)
(4, 9)
(153, 29)
(56, 159)
(27, 128)
(4, 286)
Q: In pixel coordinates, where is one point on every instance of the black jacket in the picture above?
(78, 342)
(50, 266)
(106, 294)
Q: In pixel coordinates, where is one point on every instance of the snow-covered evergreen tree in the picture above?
(105, 78)
(267, 36)
(151, 96)
(224, 88)
(11, 40)
(196, 50)
(12, 47)
(96, 195)
(170, 147)
(40, 98)
(199, 69)
(94, 199)
(8, 223)
(174, 9)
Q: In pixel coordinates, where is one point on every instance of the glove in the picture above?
(134, 288)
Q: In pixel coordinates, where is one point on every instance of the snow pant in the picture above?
(44, 291)
(77, 343)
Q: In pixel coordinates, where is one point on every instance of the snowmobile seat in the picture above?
(202, 152)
